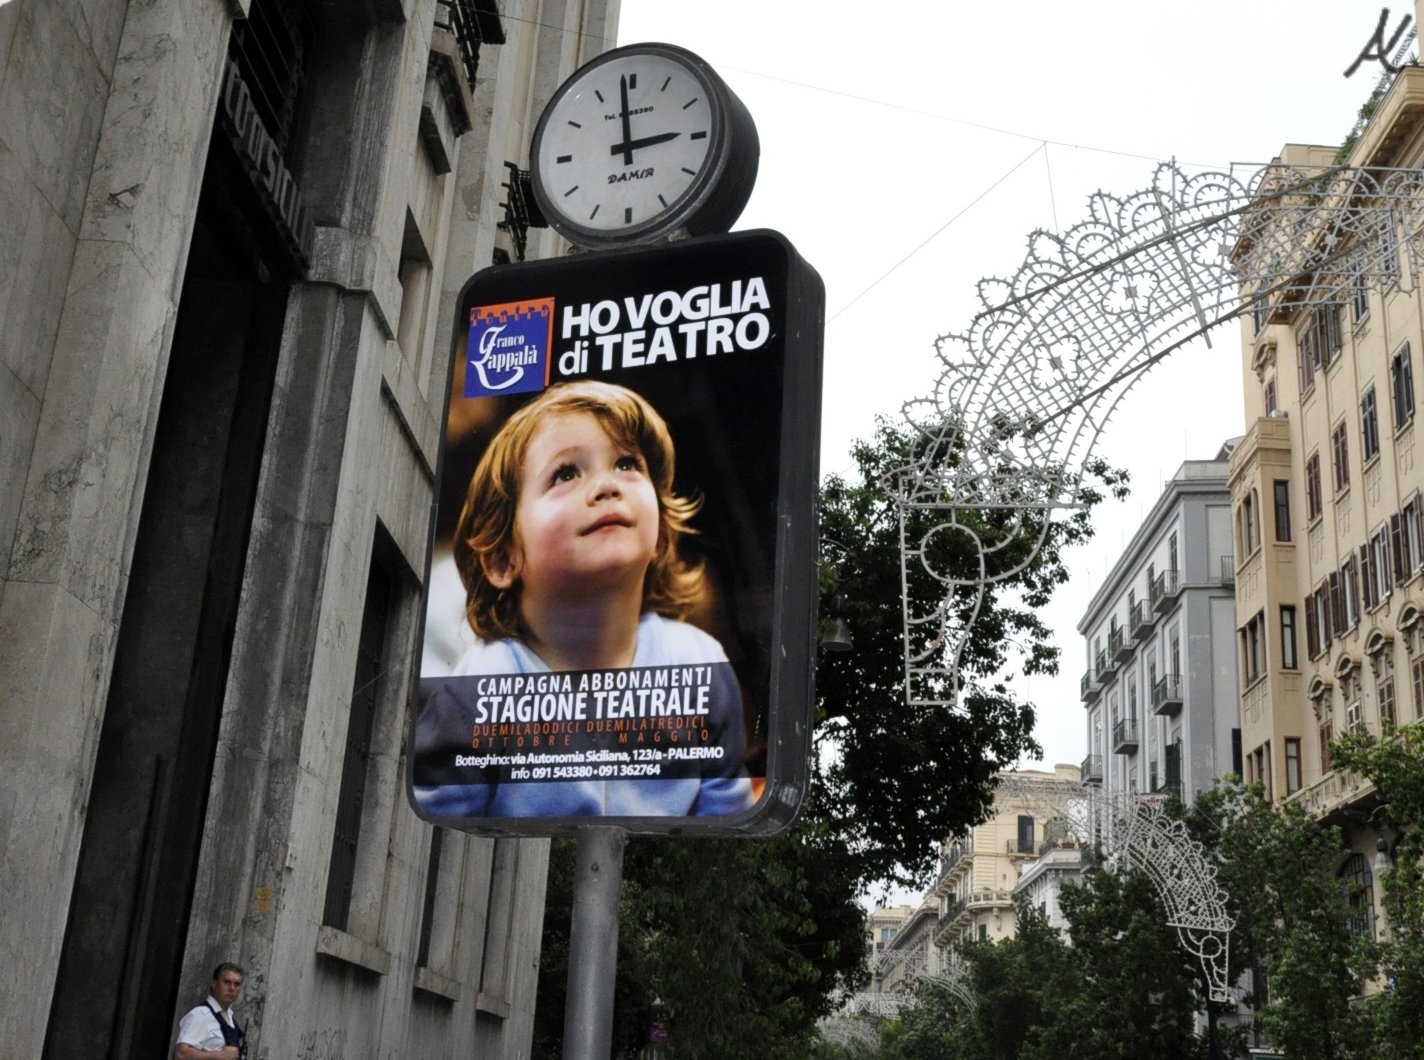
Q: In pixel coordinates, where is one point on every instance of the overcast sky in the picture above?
(908, 149)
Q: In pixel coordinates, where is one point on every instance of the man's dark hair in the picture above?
(227, 966)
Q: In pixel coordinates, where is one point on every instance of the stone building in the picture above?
(231, 236)
(1330, 516)
(980, 869)
(1160, 691)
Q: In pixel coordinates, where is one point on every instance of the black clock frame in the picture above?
(714, 200)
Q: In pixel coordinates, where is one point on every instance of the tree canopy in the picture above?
(743, 945)
(896, 778)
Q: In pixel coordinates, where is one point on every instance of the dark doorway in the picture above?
(117, 986)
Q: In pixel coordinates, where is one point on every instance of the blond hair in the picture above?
(672, 587)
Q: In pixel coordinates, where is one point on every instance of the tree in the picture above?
(1395, 765)
(896, 778)
(1278, 864)
(746, 944)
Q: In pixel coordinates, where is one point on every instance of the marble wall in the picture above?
(106, 107)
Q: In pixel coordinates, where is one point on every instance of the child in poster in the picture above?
(567, 546)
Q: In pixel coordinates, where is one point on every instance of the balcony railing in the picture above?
(1125, 736)
(1140, 620)
(1167, 695)
(1093, 769)
(1165, 588)
(956, 853)
(1119, 645)
(1101, 670)
(1228, 570)
(1088, 688)
(472, 23)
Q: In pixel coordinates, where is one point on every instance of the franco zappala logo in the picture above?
(508, 347)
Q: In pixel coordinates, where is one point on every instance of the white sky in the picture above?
(919, 129)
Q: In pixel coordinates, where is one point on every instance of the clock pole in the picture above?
(593, 944)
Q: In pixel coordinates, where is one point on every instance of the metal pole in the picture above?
(593, 944)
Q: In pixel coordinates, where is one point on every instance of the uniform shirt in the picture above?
(200, 1029)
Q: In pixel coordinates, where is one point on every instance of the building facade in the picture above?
(1160, 691)
(234, 233)
(1327, 494)
(979, 870)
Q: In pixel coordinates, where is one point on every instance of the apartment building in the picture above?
(1160, 691)
(234, 232)
(979, 870)
(1329, 520)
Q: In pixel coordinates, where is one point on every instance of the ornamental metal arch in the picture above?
(1024, 394)
(1136, 832)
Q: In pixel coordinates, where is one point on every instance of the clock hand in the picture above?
(627, 148)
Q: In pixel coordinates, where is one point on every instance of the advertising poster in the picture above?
(621, 601)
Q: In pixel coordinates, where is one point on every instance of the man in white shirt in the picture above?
(209, 1032)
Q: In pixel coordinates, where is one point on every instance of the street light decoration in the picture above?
(1010, 426)
(1135, 832)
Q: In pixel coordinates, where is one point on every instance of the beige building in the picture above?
(1329, 519)
(231, 237)
(979, 870)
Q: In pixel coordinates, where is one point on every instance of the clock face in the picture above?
(626, 143)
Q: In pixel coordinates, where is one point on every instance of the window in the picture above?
(1416, 669)
(1282, 498)
(1340, 456)
(432, 891)
(1172, 564)
(1025, 834)
(1401, 375)
(983, 932)
(1374, 569)
(1270, 395)
(1251, 648)
(1397, 549)
(1318, 630)
(1369, 425)
(1386, 702)
(1314, 503)
(1360, 298)
(1326, 734)
(1261, 305)
(351, 797)
(1248, 524)
(1292, 765)
(1412, 522)
(1357, 880)
(1289, 661)
(1349, 594)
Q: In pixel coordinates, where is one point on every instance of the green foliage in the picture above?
(742, 943)
(746, 944)
(899, 777)
(1396, 767)
(1279, 866)
(1124, 988)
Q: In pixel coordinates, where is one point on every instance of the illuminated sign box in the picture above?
(622, 591)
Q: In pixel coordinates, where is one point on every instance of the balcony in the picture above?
(1165, 588)
(1140, 620)
(1167, 695)
(1119, 646)
(958, 850)
(1124, 741)
(1101, 670)
(1088, 688)
(1093, 769)
(1228, 570)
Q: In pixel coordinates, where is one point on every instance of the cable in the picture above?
(1041, 147)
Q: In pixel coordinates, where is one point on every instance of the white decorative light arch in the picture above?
(1024, 394)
